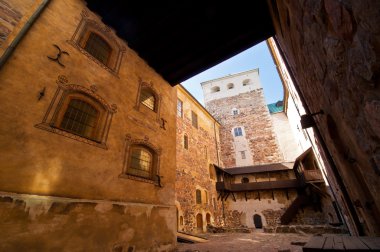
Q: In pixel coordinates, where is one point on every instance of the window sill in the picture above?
(132, 177)
(47, 127)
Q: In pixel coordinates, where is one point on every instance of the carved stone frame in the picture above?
(90, 23)
(129, 143)
(157, 96)
(58, 105)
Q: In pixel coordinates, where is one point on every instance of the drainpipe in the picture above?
(330, 160)
(8, 52)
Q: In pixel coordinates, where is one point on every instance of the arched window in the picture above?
(198, 196)
(245, 180)
(215, 89)
(80, 118)
(185, 142)
(238, 131)
(98, 47)
(140, 161)
(230, 86)
(181, 220)
(148, 98)
(246, 82)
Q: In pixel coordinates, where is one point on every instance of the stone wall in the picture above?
(60, 189)
(255, 119)
(332, 48)
(195, 169)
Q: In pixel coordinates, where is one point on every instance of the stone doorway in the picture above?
(257, 221)
(199, 223)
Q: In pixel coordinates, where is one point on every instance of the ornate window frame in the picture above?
(157, 96)
(90, 23)
(155, 151)
(55, 112)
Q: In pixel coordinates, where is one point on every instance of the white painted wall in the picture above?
(241, 144)
(224, 83)
(252, 207)
(285, 137)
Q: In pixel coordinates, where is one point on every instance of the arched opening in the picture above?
(181, 221)
(257, 221)
(246, 82)
(230, 86)
(98, 47)
(208, 218)
(199, 223)
(215, 89)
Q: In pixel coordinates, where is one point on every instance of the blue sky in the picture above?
(257, 56)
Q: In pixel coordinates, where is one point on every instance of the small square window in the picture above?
(238, 131)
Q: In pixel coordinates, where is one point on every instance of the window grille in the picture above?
(98, 48)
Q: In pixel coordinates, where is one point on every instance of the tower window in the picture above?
(242, 153)
(215, 89)
(238, 131)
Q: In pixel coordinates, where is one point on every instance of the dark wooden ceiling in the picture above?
(183, 38)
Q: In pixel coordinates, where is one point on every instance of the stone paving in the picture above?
(257, 241)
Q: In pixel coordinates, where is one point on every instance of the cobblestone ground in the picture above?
(231, 242)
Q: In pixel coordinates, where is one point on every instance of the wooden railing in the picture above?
(279, 184)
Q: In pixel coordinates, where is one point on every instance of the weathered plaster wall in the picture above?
(285, 137)
(332, 48)
(193, 165)
(37, 162)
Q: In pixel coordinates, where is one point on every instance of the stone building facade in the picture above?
(335, 62)
(88, 136)
(197, 153)
(247, 134)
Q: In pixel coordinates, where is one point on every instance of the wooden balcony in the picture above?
(280, 184)
(313, 175)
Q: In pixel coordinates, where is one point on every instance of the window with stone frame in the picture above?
(141, 161)
(98, 42)
(198, 196)
(194, 119)
(235, 111)
(186, 142)
(147, 98)
(80, 118)
(78, 113)
(179, 108)
(238, 131)
(98, 48)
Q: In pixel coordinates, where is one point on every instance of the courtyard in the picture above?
(256, 241)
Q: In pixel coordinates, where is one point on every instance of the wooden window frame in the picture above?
(58, 106)
(130, 144)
